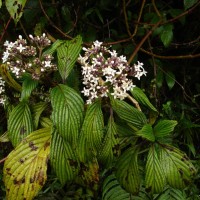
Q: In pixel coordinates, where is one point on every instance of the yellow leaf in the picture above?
(26, 166)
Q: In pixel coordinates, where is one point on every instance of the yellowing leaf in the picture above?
(26, 166)
(177, 167)
(15, 8)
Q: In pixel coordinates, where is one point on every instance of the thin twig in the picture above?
(51, 22)
(4, 31)
(142, 41)
(134, 102)
(2, 160)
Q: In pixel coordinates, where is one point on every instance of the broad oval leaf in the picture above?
(177, 167)
(67, 55)
(140, 96)
(67, 113)
(25, 167)
(154, 178)
(163, 128)
(92, 132)
(146, 132)
(128, 113)
(15, 8)
(127, 171)
(63, 159)
(110, 146)
(19, 123)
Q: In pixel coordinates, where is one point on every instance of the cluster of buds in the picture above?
(22, 58)
(104, 72)
(2, 90)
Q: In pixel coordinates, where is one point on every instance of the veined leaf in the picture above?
(140, 96)
(63, 159)
(19, 123)
(25, 167)
(127, 171)
(113, 190)
(27, 87)
(177, 167)
(67, 114)
(110, 146)
(164, 128)
(45, 122)
(171, 194)
(15, 8)
(54, 46)
(146, 132)
(154, 178)
(67, 54)
(37, 109)
(128, 113)
(92, 132)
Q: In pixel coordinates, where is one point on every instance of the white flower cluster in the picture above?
(104, 72)
(21, 57)
(2, 90)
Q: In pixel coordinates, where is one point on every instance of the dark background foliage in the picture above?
(165, 35)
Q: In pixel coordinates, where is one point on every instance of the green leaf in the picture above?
(127, 171)
(67, 113)
(189, 3)
(67, 55)
(177, 167)
(128, 113)
(0, 3)
(170, 79)
(37, 110)
(140, 96)
(27, 87)
(19, 123)
(146, 132)
(113, 190)
(92, 132)
(171, 194)
(167, 35)
(54, 47)
(154, 178)
(110, 146)
(45, 122)
(25, 167)
(164, 127)
(15, 8)
(159, 78)
(63, 159)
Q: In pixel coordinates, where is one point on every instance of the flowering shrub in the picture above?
(83, 141)
(104, 72)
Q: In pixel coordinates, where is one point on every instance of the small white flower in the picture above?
(47, 64)
(113, 53)
(97, 43)
(20, 48)
(20, 37)
(5, 56)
